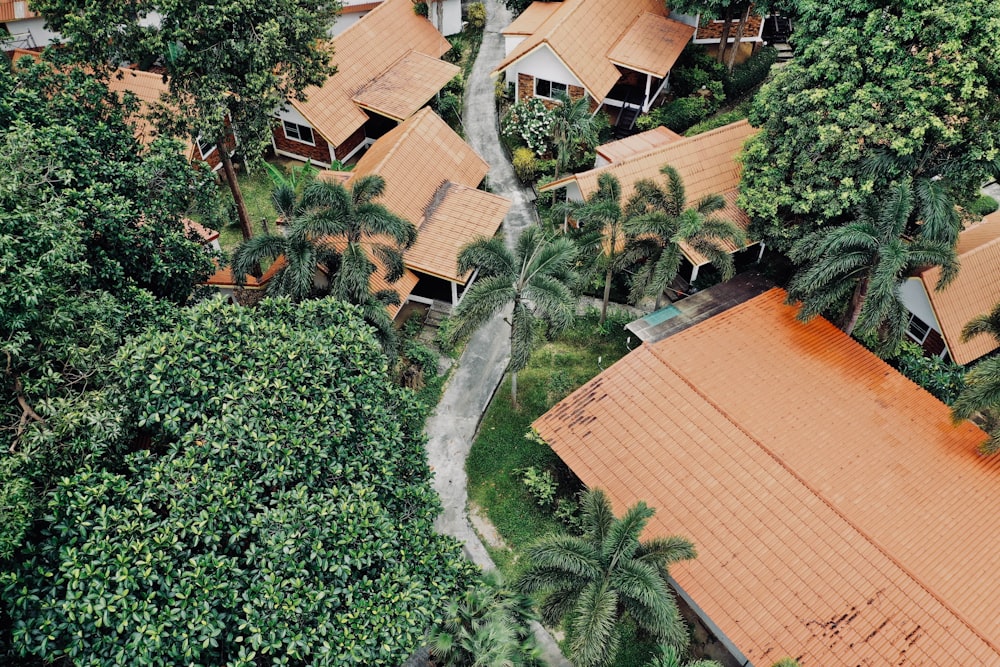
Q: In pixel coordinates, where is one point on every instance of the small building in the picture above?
(617, 54)
(840, 518)
(937, 317)
(431, 178)
(388, 67)
(709, 32)
(707, 164)
(445, 15)
(25, 27)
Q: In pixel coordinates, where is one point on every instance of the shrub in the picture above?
(420, 9)
(712, 122)
(941, 378)
(525, 164)
(540, 484)
(529, 123)
(751, 73)
(984, 205)
(476, 15)
(678, 115)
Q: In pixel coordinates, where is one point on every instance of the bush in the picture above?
(529, 124)
(525, 164)
(712, 122)
(943, 379)
(983, 206)
(420, 9)
(678, 115)
(750, 74)
(476, 15)
(540, 484)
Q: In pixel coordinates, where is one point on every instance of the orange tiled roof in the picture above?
(15, 10)
(147, 87)
(710, 29)
(616, 151)
(652, 44)
(531, 19)
(706, 162)
(406, 86)
(605, 25)
(362, 53)
(416, 158)
(839, 516)
(377, 282)
(204, 233)
(974, 292)
(459, 215)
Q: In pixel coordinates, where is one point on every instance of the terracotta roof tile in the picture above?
(531, 19)
(406, 86)
(204, 233)
(461, 215)
(148, 88)
(362, 53)
(15, 10)
(652, 44)
(616, 151)
(838, 514)
(603, 23)
(974, 292)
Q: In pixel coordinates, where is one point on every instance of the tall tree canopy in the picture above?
(92, 249)
(280, 511)
(231, 60)
(912, 82)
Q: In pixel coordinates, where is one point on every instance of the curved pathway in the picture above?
(452, 427)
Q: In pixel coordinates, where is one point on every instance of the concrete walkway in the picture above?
(452, 427)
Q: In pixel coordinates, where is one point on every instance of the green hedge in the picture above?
(750, 74)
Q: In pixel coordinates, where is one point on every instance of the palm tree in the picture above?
(670, 656)
(659, 220)
(572, 124)
(595, 580)
(602, 237)
(486, 627)
(535, 278)
(335, 229)
(865, 262)
(981, 394)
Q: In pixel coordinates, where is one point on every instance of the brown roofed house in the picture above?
(617, 54)
(707, 164)
(840, 517)
(937, 318)
(388, 67)
(431, 178)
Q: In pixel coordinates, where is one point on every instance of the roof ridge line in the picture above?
(683, 141)
(414, 120)
(781, 462)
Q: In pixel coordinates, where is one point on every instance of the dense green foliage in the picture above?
(944, 379)
(593, 581)
(980, 395)
(281, 514)
(855, 270)
(534, 281)
(912, 84)
(748, 75)
(92, 249)
(983, 205)
(670, 656)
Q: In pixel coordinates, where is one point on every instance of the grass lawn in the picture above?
(501, 451)
(256, 188)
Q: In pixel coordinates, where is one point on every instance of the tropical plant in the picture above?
(486, 627)
(573, 127)
(600, 235)
(534, 279)
(336, 229)
(660, 220)
(981, 394)
(529, 122)
(864, 263)
(786, 662)
(253, 527)
(594, 581)
(670, 656)
(287, 185)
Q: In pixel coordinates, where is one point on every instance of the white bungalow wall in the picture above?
(914, 297)
(31, 29)
(449, 21)
(541, 64)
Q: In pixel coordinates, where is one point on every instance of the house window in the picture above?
(917, 329)
(205, 147)
(301, 133)
(549, 89)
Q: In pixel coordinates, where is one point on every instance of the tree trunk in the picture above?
(744, 17)
(607, 295)
(513, 389)
(724, 42)
(234, 187)
(659, 300)
(857, 302)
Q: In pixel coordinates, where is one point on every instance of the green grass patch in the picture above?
(256, 188)
(501, 451)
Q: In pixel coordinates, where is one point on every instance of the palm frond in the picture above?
(489, 255)
(666, 550)
(391, 259)
(366, 189)
(622, 540)
(981, 392)
(522, 337)
(249, 255)
(710, 204)
(481, 302)
(596, 516)
(595, 632)
(941, 221)
(570, 554)
(983, 324)
(376, 220)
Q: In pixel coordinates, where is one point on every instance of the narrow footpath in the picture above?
(452, 427)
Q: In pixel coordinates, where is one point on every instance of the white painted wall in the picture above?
(40, 35)
(689, 19)
(542, 64)
(510, 43)
(151, 19)
(914, 298)
(343, 22)
(292, 115)
(451, 16)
